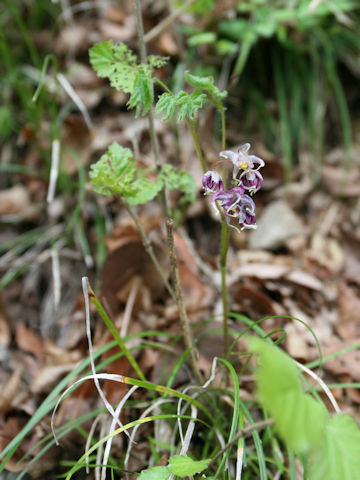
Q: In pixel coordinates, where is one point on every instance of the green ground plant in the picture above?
(286, 423)
(300, 420)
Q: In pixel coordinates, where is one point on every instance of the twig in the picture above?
(164, 24)
(148, 247)
(180, 302)
(244, 432)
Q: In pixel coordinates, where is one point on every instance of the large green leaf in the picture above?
(116, 62)
(154, 473)
(339, 454)
(114, 172)
(184, 466)
(299, 418)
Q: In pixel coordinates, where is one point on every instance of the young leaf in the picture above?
(114, 172)
(189, 105)
(207, 84)
(116, 62)
(144, 190)
(142, 95)
(173, 179)
(183, 103)
(167, 105)
(339, 454)
(299, 418)
(184, 466)
(155, 473)
(156, 61)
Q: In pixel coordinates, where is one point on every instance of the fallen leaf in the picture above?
(28, 341)
(348, 326)
(127, 261)
(14, 200)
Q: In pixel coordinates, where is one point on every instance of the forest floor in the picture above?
(300, 268)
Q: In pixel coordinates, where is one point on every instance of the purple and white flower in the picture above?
(235, 203)
(251, 180)
(242, 161)
(212, 182)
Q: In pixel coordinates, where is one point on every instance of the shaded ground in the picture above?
(303, 262)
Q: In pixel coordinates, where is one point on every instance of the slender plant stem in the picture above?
(223, 126)
(149, 249)
(153, 136)
(195, 136)
(244, 432)
(184, 319)
(225, 238)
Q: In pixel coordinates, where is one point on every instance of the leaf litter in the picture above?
(305, 264)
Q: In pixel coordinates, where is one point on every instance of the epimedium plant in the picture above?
(325, 444)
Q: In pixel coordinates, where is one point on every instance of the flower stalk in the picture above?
(234, 204)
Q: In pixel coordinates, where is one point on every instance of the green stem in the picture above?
(194, 134)
(223, 126)
(225, 238)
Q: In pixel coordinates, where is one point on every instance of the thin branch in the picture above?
(148, 247)
(164, 24)
(244, 432)
(185, 324)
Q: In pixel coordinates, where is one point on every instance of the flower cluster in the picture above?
(246, 180)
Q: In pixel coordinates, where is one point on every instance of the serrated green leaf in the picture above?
(184, 466)
(173, 179)
(142, 95)
(207, 84)
(144, 190)
(114, 172)
(156, 61)
(339, 454)
(189, 105)
(116, 62)
(154, 473)
(167, 105)
(299, 418)
(180, 105)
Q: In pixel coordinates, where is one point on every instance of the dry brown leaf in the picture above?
(28, 341)
(341, 181)
(5, 334)
(166, 45)
(265, 271)
(125, 262)
(14, 200)
(47, 377)
(348, 325)
(10, 388)
(305, 279)
(77, 143)
(347, 363)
